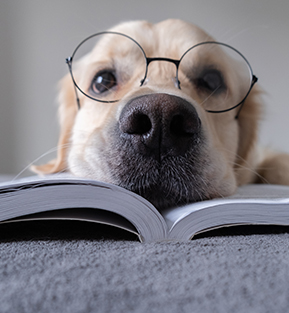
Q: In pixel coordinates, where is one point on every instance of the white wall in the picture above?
(37, 35)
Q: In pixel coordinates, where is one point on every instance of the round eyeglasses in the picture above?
(212, 68)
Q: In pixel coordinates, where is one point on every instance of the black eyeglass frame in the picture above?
(69, 61)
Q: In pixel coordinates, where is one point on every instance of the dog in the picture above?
(156, 137)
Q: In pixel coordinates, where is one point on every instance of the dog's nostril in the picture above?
(142, 124)
(138, 124)
(182, 126)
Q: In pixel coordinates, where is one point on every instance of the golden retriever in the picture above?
(153, 131)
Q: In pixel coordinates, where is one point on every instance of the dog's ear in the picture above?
(248, 121)
(67, 112)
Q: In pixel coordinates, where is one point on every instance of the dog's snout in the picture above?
(160, 125)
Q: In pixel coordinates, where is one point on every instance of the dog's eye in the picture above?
(210, 80)
(103, 81)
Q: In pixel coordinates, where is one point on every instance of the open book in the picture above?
(60, 197)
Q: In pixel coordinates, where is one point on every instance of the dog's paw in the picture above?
(274, 169)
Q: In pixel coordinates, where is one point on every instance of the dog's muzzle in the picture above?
(158, 150)
(159, 125)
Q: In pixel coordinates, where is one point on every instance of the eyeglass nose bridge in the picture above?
(176, 62)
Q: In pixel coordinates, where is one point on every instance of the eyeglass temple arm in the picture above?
(68, 62)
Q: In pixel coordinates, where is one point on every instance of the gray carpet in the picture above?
(81, 267)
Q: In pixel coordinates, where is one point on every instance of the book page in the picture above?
(252, 204)
(85, 214)
(33, 195)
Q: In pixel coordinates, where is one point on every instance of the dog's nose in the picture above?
(159, 125)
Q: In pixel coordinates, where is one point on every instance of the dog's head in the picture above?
(150, 132)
